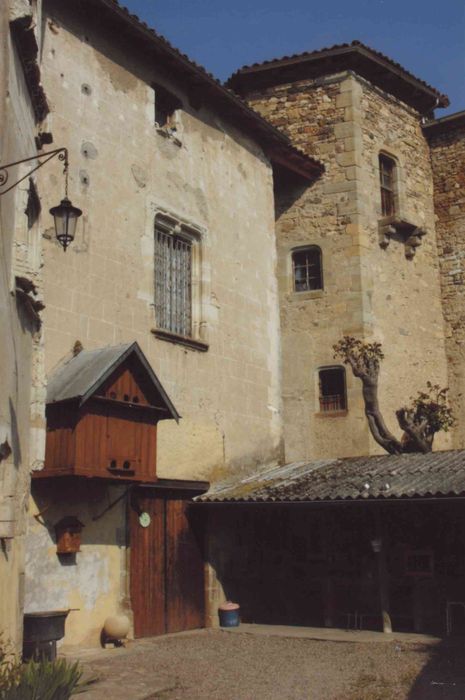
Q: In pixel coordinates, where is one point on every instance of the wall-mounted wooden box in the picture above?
(103, 407)
(68, 535)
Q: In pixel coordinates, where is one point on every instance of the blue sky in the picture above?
(426, 37)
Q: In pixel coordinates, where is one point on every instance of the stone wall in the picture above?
(21, 407)
(447, 143)
(368, 292)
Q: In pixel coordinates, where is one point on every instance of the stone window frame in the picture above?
(399, 180)
(397, 225)
(302, 249)
(198, 340)
(337, 411)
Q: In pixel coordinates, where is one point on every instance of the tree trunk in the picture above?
(378, 428)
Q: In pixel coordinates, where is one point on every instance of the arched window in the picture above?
(387, 177)
(307, 269)
(332, 389)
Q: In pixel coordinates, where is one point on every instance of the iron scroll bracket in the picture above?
(62, 154)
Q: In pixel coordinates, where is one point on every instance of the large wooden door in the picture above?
(167, 569)
(184, 570)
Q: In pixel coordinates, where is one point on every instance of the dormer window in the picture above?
(387, 176)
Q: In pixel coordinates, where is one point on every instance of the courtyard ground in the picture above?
(251, 664)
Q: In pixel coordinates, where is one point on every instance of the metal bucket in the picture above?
(41, 632)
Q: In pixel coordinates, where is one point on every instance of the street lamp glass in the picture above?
(65, 216)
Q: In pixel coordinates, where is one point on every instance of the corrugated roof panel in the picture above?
(383, 476)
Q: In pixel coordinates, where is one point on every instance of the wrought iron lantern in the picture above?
(65, 214)
(65, 217)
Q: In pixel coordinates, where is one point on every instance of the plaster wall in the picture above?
(368, 292)
(92, 583)
(20, 339)
(123, 171)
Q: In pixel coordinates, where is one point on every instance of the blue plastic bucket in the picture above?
(229, 617)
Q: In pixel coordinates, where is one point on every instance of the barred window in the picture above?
(173, 277)
(332, 385)
(307, 269)
(387, 170)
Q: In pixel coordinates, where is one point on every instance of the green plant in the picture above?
(9, 667)
(39, 680)
(431, 406)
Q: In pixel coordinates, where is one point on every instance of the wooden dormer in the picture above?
(103, 407)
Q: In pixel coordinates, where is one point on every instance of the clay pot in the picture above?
(116, 627)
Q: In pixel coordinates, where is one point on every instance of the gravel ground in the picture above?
(212, 665)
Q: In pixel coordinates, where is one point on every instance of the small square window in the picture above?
(166, 105)
(332, 389)
(307, 269)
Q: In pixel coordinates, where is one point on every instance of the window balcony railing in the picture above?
(333, 402)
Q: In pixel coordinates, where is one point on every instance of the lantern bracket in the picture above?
(62, 154)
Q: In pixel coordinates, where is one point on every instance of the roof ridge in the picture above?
(275, 135)
(356, 43)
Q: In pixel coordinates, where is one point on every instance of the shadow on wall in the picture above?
(288, 188)
(96, 504)
(16, 444)
(443, 676)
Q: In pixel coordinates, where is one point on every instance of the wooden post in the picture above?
(328, 586)
(383, 577)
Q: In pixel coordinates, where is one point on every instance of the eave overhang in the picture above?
(372, 65)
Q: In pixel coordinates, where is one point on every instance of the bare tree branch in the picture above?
(429, 412)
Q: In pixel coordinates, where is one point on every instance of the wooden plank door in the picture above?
(147, 575)
(167, 568)
(185, 604)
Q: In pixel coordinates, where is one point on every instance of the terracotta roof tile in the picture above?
(355, 46)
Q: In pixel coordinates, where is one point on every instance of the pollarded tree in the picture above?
(427, 414)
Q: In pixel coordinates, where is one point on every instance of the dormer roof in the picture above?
(81, 377)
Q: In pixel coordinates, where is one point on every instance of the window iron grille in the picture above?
(173, 282)
(332, 390)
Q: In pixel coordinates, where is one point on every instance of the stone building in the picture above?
(23, 107)
(357, 112)
(224, 247)
(446, 137)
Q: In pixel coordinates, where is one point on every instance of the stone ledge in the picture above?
(180, 339)
(305, 296)
(331, 414)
